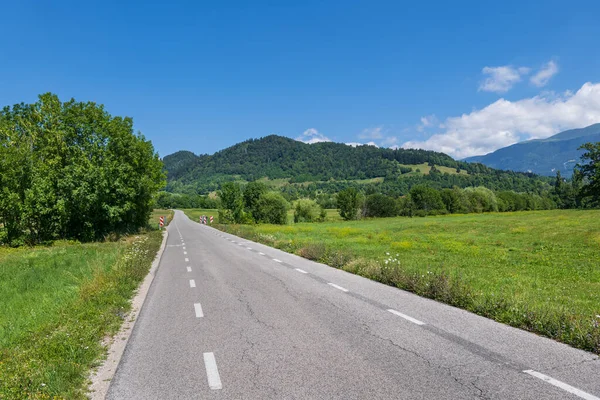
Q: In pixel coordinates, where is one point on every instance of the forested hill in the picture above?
(281, 157)
(277, 157)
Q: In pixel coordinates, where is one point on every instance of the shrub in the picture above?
(271, 208)
(306, 210)
(379, 205)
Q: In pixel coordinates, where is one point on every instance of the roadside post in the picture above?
(161, 223)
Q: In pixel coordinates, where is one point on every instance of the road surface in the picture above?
(227, 318)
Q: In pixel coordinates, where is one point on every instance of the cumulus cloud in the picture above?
(502, 79)
(543, 76)
(311, 136)
(503, 122)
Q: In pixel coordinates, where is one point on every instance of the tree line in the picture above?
(255, 203)
(70, 170)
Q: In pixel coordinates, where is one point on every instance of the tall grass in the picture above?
(58, 303)
(538, 271)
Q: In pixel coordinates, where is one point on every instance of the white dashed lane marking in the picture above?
(212, 372)
(192, 283)
(301, 271)
(406, 317)
(189, 269)
(198, 309)
(276, 260)
(562, 385)
(337, 287)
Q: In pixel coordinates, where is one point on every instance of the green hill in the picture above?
(543, 156)
(299, 168)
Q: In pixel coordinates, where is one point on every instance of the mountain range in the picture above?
(542, 156)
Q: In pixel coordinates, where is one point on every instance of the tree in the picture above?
(427, 199)
(349, 202)
(272, 208)
(252, 193)
(71, 170)
(233, 201)
(379, 205)
(589, 170)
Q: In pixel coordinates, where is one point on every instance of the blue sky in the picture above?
(460, 77)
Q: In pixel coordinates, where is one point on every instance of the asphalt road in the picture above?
(226, 318)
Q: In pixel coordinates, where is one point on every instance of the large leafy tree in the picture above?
(589, 170)
(349, 202)
(71, 170)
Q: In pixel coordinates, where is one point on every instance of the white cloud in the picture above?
(503, 122)
(311, 136)
(372, 133)
(355, 144)
(502, 79)
(427, 122)
(544, 75)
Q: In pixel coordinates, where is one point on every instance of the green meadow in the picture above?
(58, 303)
(537, 270)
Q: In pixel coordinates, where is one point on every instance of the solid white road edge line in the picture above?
(337, 287)
(406, 317)
(301, 270)
(192, 283)
(562, 385)
(198, 309)
(189, 269)
(276, 260)
(212, 373)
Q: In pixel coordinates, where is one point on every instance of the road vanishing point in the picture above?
(226, 318)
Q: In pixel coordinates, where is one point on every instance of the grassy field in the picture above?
(58, 303)
(535, 270)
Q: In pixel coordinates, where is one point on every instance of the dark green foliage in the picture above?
(427, 199)
(379, 205)
(455, 200)
(589, 170)
(71, 170)
(306, 210)
(252, 193)
(271, 208)
(349, 202)
(481, 199)
(233, 201)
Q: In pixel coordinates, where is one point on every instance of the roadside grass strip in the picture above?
(58, 304)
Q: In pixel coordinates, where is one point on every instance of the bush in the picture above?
(271, 208)
(427, 199)
(379, 205)
(306, 210)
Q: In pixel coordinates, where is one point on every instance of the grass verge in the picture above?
(534, 270)
(59, 303)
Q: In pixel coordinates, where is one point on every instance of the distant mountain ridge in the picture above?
(542, 156)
